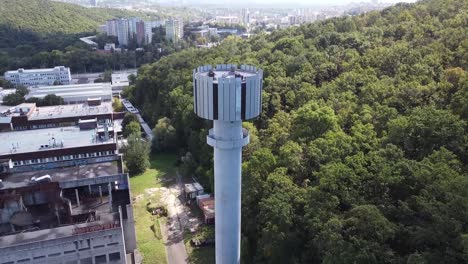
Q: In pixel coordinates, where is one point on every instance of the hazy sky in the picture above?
(322, 2)
(289, 3)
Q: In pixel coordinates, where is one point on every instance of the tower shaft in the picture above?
(227, 140)
(227, 95)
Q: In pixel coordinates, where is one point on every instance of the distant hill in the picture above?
(27, 21)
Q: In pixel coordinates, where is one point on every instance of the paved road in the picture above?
(177, 220)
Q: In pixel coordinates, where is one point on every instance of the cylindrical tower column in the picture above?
(227, 96)
(227, 142)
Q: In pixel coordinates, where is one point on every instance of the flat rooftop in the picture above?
(59, 111)
(62, 111)
(120, 78)
(66, 91)
(22, 179)
(46, 234)
(57, 68)
(60, 137)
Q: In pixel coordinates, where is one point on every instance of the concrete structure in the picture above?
(227, 95)
(111, 27)
(44, 146)
(109, 47)
(205, 32)
(192, 190)
(130, 108)
(80, 215)
(39, 77)
(149, 26)
(123, 31)
(119, 28)
(89, 41)
(245, 17)
(174, 30)
(140, 32)
(207, 206)
(119, 82)
(75, 93)
(228, 20)
(29, 116)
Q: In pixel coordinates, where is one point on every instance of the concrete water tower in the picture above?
(227, 95)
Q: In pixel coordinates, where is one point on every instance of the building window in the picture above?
(114, 257)
(100, 259)
(86, 261)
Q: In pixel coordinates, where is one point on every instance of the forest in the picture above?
(360, 154)
(44, 33)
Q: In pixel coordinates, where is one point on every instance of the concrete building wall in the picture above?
(140, 32)
(86, 248)
(129, 230)
(39, 77)
(174, 30)
(111, 27)
(123, 31)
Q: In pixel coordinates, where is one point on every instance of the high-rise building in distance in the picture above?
(140, 32)
(174, 29)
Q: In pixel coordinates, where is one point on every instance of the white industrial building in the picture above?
(174, 29)
(75, 93)
(39, 77)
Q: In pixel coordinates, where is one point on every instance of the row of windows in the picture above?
(17, 75)
(82, 245)
(63, 158)
(63, 124)
(111, 258)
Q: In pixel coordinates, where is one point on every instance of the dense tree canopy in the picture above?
(360, 154)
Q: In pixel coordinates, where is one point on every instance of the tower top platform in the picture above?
(227, 93)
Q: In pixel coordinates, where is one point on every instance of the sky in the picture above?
(289, 3)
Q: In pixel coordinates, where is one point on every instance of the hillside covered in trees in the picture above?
(29, 21)
(360, 155)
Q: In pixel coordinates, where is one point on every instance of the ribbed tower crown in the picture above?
(227, 93)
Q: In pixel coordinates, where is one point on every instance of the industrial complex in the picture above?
(75, 93)
(64, 194)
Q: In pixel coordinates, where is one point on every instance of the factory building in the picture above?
(45, 147)
(67, 214)
(75, 93)
(29, 116)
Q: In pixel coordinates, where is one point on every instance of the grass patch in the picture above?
(149, 238)
(151, 247)
(200, 255)
(160, 165)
